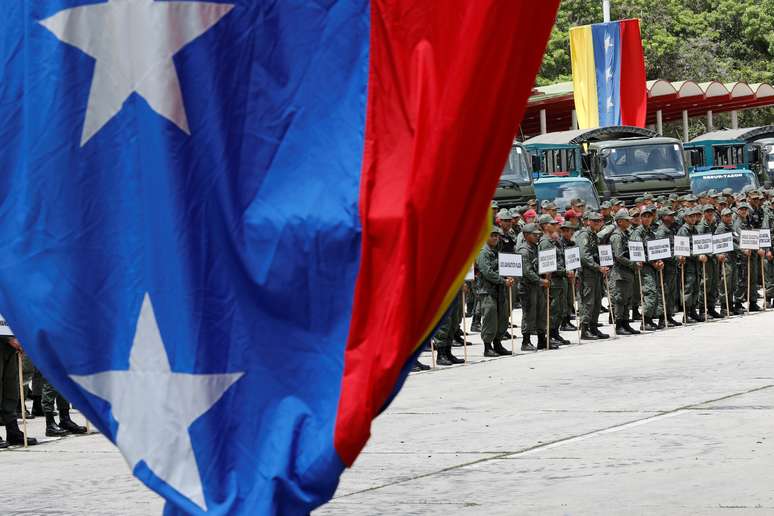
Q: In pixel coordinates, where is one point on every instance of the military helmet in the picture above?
(622, 214)
(546, 219)
(531, 229)
(504, 215)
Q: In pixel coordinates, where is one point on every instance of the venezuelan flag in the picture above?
(272, 206)
(608, 71)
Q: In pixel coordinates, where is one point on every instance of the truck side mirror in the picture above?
(537, 165)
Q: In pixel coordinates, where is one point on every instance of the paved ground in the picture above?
(677, 422)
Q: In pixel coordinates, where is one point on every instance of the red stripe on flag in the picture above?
(447, 88)
(634, 96)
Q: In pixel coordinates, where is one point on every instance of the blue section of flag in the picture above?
(218, 226)
(607, 59)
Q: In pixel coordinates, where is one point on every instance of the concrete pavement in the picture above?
(676, 422)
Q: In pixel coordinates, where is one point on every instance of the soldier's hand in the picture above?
(638, 264)
(604, 270)
(508, 282)
(761, 252)
(703, 258)
(545, 283)
(659, 265)
(15, 344)
(465, 288)
(722, 258)
(746, 252)
(769, 255)
(571, 275)
(681, 259)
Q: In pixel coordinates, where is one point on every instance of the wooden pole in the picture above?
(464, 328)
(21, 397)
(763, 282)
(682, 290)
(432, 352)
(610, 306)
(663, 296)
(575, 306)
(510, 319)
(704, 278)
(642, 300)
(548, 313)
(749, 298)
(725, 286)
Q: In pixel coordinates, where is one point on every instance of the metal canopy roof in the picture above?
(671, 98)
(589, 135)
(747, 134)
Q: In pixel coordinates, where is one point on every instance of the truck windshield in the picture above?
(639, 159)
(768, 158)
(516, 168)
(561, 193)
(733, 180)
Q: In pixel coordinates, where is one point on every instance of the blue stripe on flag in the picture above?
(607, 59)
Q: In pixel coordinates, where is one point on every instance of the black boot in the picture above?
(661, 323)
(52, 429)
(754, 307)
(15, 437)
(442, 357)
(620, 329)
(488, 351)
(631, 330)
(595, 330)
(3, 444)
(526, 345)
(19, 409)
(37, 406)
(568, 326)
(694, 315)
(672, 321)
(649, 325)
(544, 344)
(636, 315)
(556, 336)
(714, 313)
(499, 349)
(587, 334)
(419, 366)
(475, 327)
(65, 423)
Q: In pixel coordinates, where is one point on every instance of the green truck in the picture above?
(750, 149)
(622, 162)
(520, 182)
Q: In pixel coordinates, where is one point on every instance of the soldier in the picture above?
(558, 279)
(604, 210)
(634, 213)
(667, 228)
(622, 274)
(691, 265)
(567, 230)
(748, 263)
(9, 392)
(711, 271)
(533, 294)
(508, 245)
(592, 274)
(578, 206)
(491, 293)
(651, 293)
(729, 262)
(444, 335)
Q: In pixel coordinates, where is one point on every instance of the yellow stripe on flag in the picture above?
(584, 77)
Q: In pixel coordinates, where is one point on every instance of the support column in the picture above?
(710, 124)
(543, 123)
(734, 120)
(685, 125)
(660, 123)
(574, 120)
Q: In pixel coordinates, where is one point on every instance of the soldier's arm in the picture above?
(486, 271)
(587, 258)
(529, 268)
(619, 252)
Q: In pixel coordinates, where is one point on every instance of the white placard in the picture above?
(606, 255)
(470, 276)
(547, 261)
(5, 330)
(660, 249)
(572, 258)
(682, 245)
(509, 265)
(764, 238)
(702, 244)
(749, 239)
(636, 251)
(723, 243)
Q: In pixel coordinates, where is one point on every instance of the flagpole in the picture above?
(606, 10)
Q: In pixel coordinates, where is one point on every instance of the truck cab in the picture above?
(750, 149)
(515, 186)
(720, 179)
(620, 161)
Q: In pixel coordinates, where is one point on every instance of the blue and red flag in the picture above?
(227, 226)
(608, 70)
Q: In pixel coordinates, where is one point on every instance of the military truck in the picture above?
(749, 148)
(515, 187)
(622, 162)
(521, 181)
(720, 179)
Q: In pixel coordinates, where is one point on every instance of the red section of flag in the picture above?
(634, 96)
(448, 85)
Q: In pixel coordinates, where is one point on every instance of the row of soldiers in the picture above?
(649, 292)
